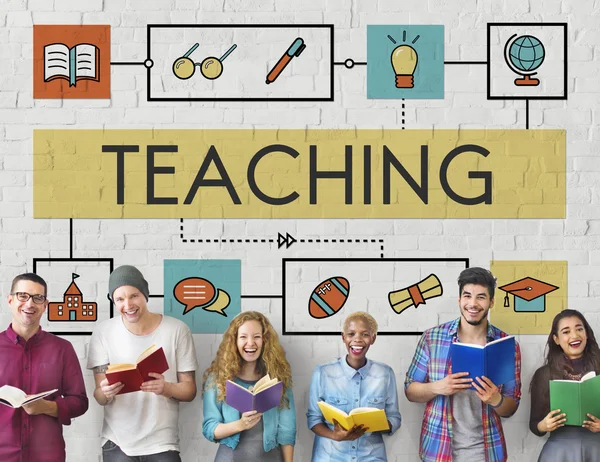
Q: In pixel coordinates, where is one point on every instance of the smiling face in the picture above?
(250, 341)
(26, 315)
(475, 303)
(358, 338)
(572, 337)
(131, 303)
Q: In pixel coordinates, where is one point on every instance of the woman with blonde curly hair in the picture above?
(249, 350)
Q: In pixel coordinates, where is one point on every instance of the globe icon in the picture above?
(524, 55)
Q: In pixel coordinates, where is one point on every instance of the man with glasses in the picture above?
(36, 361)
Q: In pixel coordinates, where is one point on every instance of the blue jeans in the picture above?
(112, 453)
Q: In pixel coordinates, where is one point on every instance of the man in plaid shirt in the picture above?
(461, 424)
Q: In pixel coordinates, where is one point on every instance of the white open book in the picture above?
(15, 397)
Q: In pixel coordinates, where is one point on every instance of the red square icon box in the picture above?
(71, 61)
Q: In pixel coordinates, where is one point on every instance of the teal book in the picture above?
(576, 398)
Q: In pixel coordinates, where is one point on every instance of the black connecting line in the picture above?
(127, 63)
(466, 62)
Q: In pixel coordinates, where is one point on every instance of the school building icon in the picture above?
(73, 307)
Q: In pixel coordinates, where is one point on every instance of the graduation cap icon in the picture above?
(530, 294)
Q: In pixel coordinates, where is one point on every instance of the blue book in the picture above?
(495, 360)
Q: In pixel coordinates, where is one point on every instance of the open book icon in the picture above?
(576, 398)
(152, 359)
(265, 395)
(15, 397)
(80, 62)
(370, 417)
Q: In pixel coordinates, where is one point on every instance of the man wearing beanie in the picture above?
(144, 423)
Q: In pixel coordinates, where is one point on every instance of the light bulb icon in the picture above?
(404, 61)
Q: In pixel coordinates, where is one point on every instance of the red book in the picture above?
(133, 375)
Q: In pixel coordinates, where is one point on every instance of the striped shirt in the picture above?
(431, 363)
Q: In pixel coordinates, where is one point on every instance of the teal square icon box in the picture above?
(205, 294)
(405, 62)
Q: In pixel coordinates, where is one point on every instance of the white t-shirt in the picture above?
(142, 423)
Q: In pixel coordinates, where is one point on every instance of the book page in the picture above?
(258, 384)
(56, 61)
(469, 345)
(358, 410)
(147, 352)
(32, 398)
(12, 395)
(589, 375)
(263, 386)
(503, 339)
(85, 61)
(119, 367)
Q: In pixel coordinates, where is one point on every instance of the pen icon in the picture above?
(295, 49)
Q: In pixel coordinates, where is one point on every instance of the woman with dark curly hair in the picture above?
(250, 349)
(572, 351)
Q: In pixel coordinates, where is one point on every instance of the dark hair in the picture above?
(479, 276)
(556, 363)
(555, 358)
(29, 277)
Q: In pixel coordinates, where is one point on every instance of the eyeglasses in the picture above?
(24, 296)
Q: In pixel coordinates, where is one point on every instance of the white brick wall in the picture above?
(147, 243)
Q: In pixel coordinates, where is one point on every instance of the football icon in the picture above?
(328, 297)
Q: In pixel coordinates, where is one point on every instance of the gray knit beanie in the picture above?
(127, 275)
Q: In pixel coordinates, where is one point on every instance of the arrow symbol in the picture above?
(286, 240)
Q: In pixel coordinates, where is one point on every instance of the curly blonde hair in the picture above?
(228, 362)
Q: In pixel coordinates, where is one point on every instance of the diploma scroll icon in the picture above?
(415, 295)
(295, 49)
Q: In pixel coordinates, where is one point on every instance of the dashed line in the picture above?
(271, 241)
(343, 241)
(403, 114)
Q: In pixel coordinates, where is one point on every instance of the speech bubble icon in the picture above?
(194, 292)
(218, 306)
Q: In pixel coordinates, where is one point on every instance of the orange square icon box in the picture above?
(71, 62)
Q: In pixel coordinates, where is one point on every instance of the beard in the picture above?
(476, 323)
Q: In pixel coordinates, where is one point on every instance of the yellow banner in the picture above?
(299, 173)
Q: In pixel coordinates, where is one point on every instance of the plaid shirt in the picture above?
(431, 363)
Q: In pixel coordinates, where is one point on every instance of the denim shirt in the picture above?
(336, 383)
(279, 424)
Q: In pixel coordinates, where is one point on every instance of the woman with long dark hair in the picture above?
(572, 351)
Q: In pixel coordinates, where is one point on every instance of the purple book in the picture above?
(244, 400)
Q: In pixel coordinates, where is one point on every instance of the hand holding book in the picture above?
(150, 364)
(15, 397)
(578, 399)
(593, 424)
(368, 418)
(341, 434)
(553, 420)
(453, 383)
(249, 419)
(265, 395)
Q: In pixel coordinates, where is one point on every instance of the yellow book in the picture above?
(372, 418)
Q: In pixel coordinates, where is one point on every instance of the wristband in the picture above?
(500, 403)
